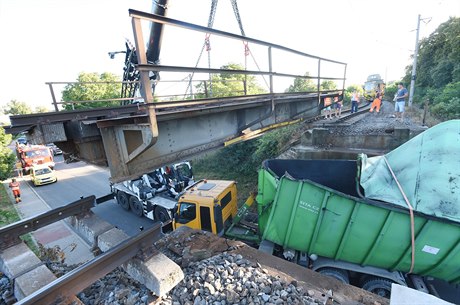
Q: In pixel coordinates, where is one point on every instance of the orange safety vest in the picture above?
(14, 186)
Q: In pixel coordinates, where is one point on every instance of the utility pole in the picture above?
(414, 65)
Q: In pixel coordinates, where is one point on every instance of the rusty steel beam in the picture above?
(9, 235)
(64, 288)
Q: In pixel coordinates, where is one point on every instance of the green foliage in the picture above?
(40, 109)
(15, 107)
(328, 85)
(86, 90)
(446, 103)
(349, 90)
(7, 212)
(7, 157)
(302, 85)
(438, 70)
(390, 90)
(241, 161)
(449, 110)
(227, 84)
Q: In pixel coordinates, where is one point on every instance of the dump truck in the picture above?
(30, 155)
(371, 221)
(372, 86)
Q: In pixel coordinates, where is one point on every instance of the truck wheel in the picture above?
(123, 200)
(136, 206)
(338, 274)
(161, 214)
(379, 286)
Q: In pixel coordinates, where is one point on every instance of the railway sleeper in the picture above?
(153, 269)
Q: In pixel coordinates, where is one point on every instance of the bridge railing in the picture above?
(145, 68)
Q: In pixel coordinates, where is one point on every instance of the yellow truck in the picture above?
(208, 205)
(211, 205)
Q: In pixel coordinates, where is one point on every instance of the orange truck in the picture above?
(30, 155)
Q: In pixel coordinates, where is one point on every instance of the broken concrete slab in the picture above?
(159, 273)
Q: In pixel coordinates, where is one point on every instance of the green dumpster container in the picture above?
(317, 207)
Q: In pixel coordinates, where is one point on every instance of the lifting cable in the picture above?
(206, 45)
(411, 212)
(247, 51)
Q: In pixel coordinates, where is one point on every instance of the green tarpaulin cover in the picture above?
(427, 168)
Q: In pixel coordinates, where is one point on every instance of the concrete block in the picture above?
(18, 259)
(33, 280)
(320, 136)
(90, 227)
(400, 136)
(110, 239)
(307, 138)
(159, 273)
(401, 295)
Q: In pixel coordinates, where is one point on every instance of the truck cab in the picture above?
(209, 205)
(32, 155)
(373, 85)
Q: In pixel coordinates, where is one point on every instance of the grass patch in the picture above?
(241, 161)
(8, 213)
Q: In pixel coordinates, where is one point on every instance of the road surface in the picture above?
(80, 179)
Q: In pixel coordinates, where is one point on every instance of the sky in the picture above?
(55, 40)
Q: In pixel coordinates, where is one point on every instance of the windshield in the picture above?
(42, 171)
(183, 170)
(369, 86)
(44, 152)
(187, 212)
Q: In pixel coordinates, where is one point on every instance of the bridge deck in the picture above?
(115, 136)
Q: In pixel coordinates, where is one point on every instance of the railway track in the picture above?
(63, 290)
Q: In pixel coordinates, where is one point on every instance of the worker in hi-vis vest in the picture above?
(14, 185)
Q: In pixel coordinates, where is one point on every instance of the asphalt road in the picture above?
(81, 179)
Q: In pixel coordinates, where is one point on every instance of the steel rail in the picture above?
(9, 235)
(71, 283)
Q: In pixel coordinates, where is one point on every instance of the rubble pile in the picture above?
(230, 279)
(6, 291)
(116, 288)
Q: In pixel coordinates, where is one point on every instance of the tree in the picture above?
(87, 90)
(15, 107)
(438, 70)
(40, 109)
(7, 157)
(302, 85)
(328, 85)
(350, 89)
(227, 84)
